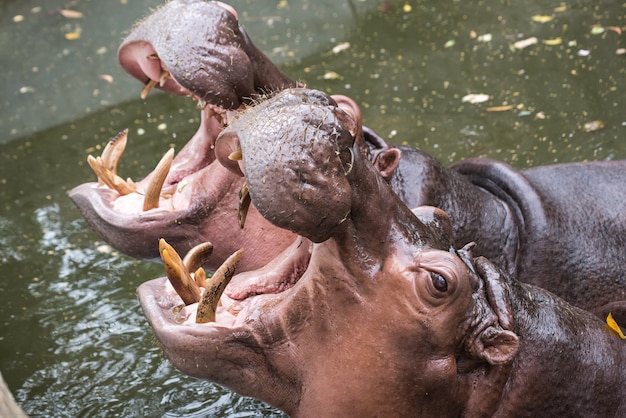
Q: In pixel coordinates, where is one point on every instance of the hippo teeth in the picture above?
(114, 150)
(178, 274)
(153, 190)
(244, 204)
(110, 179)
(150, 84)
(215, 287)
(106, 165)
(189, 287)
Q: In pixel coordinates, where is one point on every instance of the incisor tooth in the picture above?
(164, 76)
(153, 190)
(244, 204)
(178, 274)
(147, 87)
(114, 150)
(215, 287)
(235, 156)
(200, 277)
(198, 256)
(105, 176)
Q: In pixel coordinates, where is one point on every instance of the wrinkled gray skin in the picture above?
(562, 227)
(210, 58)
(385, 318)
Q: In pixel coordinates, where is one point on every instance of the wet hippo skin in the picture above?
(386, 318)
(561, 227)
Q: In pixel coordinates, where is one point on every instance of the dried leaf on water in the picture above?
(594, 125)
(502, 108)
(551, 42)
(342, 46)
(475, 98)
(72, 36)
(542, 18)
(525, 43)
(71, 14)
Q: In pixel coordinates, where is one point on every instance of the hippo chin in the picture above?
(198, 49)
(369, 315)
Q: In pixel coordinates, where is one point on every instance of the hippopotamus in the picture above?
(198, 49)
(192, 48)
(370, 315)
(551, 226)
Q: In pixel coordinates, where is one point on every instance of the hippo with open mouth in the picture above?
(562, 227)
(193, 48)
(369, 315)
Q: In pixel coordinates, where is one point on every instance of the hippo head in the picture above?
(194, 48)
(370, 312)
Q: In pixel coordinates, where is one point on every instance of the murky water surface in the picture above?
(73, 340)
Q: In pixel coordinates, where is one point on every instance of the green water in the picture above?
(73, 340)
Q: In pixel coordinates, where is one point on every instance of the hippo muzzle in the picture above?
(198, 49)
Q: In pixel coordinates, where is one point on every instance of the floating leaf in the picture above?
(449, 44)
(542, 18)
(614, 327)
(106, 77)
(597, 30)
(341, 47)
(71, 14)
(72, 36)
(485, 38)
(593, 126)
(525, 43)
(475, 98)
(551, 42)
(331, 75)
(502, 108)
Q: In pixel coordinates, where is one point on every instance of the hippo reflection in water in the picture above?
(562, 227)
(370, 315)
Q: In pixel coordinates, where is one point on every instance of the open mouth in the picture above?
(219, 299)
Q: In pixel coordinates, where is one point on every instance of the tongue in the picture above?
(277, 276)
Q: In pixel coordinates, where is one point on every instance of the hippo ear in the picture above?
(497, 346)
(387, 161)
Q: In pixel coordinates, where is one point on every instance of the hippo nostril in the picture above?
(228, 151)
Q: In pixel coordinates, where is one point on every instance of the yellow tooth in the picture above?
(198, 256)
(235, 156)
(215, 288)
(164, 76)
(178, 275)
(114, 150)
(113, 181)
(200, 277)
(244, 204)
(153, 56)
(153, 190)
(147, 87)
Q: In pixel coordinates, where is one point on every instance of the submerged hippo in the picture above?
(370, 315)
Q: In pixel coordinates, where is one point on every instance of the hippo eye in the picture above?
(439, 282)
